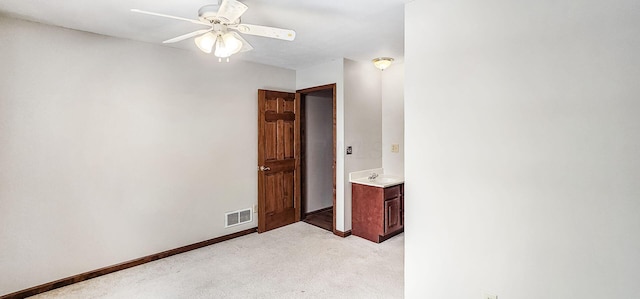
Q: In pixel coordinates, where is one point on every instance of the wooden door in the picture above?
(278, 159)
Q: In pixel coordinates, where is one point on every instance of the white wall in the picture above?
(363, 127)
(112, 150)
(323, 73)
(392, 89)
(522, 149)
(319, 151)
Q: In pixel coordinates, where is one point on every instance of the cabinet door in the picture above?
(402, 210)
(393, 215)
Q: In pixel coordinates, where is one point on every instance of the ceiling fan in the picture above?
(220, 18)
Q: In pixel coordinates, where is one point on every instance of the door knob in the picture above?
(264, 168)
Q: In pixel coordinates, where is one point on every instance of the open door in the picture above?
(278, 159)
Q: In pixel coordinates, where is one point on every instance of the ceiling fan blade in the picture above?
(168, 16)
(285, 34)
(231, 10)
(246, 46)
(188, 35)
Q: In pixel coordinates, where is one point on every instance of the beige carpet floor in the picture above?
(296, 261)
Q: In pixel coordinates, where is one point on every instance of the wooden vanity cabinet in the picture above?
(377, 213)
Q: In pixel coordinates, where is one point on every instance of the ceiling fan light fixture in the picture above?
(233, 44)
(205, 42)
(226, 45)
(382, 62)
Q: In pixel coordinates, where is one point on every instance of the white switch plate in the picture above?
(255, 208)
(489, 296)
(395, 148)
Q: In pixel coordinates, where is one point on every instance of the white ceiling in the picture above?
(326, 29)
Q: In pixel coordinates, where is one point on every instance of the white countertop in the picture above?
(382, 180)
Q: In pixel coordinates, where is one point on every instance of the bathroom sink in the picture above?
(380, 179)
(385, 180)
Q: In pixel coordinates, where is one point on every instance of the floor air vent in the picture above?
(238, 217)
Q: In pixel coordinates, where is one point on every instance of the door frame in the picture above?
(300, 99)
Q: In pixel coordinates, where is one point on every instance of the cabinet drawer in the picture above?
(392, 192)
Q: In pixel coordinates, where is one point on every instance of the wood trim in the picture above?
(335, 137)
(341, 234)
(303, 152)
(128, 264)
(296, 152)
(317, 88)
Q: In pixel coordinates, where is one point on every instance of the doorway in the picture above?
(318, 155)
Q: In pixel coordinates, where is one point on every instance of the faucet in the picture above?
(373, 176)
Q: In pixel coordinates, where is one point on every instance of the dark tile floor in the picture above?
(321, 218)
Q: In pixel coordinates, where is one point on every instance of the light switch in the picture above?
(349, 150)
(395, 148)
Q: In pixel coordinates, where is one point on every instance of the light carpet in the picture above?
(295, 261)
